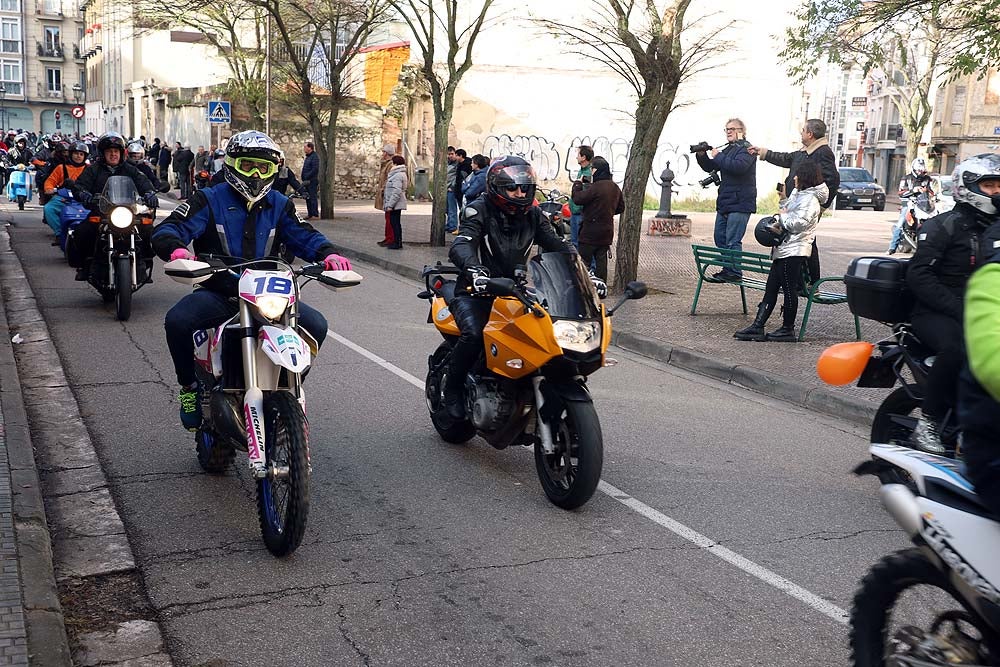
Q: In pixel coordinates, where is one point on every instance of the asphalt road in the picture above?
(422, 553)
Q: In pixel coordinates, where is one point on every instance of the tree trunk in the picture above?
(651, 115)
(439, 190)
(328, 175)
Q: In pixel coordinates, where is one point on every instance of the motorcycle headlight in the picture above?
(121, 217)
(577, 336)
(272, 307)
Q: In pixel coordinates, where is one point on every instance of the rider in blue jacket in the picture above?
(243, 219)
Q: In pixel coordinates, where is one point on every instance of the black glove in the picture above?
(68, 183)
(151, 200)
(479, 276)
(83, 197)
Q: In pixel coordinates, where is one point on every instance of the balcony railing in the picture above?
(49, 50)
(45, 93)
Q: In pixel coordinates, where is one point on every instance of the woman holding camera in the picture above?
(791, 235)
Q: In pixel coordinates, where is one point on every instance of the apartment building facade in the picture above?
(966, 120)
(41, 64)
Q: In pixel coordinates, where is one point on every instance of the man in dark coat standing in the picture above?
(601, 201)
(817, 149)
(163, 162)
(737, 198)
(183, 163)
(310, 181)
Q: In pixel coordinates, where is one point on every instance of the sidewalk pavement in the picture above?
(659, 326)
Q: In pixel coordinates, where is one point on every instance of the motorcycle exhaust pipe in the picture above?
(902, 505)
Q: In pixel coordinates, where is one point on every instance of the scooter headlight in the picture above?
(121, 217)
(578, 336)
(272, 307)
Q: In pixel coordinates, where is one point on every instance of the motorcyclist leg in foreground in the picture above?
(240, 218)
(948, 253)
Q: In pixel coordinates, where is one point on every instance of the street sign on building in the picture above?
(859, 101)
(58, 115)
(219, 112)
(996, 130)
(78, 111)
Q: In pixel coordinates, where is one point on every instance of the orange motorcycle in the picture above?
(546, 333)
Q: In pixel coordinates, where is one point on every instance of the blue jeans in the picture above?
(729, 231)
(451, 223)
(897, 229)
(574, 228)
(205, 309)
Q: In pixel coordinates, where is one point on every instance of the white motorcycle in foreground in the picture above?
(250, 371)
(937, 603)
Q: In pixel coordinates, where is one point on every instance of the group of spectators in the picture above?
(811, 188)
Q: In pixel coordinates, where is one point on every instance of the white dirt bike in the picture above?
(250, 370)
(936, 604)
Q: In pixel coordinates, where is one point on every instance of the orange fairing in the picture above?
(843, 363)
(517, 342)
(443, 319)
(605, 332)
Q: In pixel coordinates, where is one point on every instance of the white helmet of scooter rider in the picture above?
(136, 153)
(918, 167)
(967, 182)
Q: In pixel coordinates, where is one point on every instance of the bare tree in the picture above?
(908, 45)
(319, 41)
(434, 24)
(642, 44)
(235, 28)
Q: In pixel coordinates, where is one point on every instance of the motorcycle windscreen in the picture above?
(563, 286)
(119, 191)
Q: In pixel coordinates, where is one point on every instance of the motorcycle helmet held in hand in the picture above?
(251, 164)
(502, 179)
(966, 180)
(766, 236)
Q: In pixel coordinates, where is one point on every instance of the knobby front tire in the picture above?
(283, 504)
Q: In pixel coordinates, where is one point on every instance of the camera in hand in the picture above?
(703, 147)
(713, 178)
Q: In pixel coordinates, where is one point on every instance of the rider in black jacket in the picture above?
(110, 162)
(948, 251)
(498, 232)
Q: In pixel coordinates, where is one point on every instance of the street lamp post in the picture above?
(3, 110)
(77, 91)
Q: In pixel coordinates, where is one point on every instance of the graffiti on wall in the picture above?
(549, 165)
(539, 151)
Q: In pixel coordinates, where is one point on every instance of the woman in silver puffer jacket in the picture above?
(797, 222)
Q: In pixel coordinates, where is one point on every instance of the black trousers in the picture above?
(599, 254)
(471, 314)
(396, 223)
(785, 275)
(979, 417)
(943, 335)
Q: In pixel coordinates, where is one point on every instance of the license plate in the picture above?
(864, 201)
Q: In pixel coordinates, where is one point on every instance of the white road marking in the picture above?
(707, 544)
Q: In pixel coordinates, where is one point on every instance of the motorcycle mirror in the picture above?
(635, 290)
(500, 286)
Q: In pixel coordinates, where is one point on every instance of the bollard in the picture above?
(666, 223)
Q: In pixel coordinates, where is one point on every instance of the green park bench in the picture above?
(759, 265)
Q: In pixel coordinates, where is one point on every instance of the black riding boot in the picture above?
(756, 329)
(462, 358)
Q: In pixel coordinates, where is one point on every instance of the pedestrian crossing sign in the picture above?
(219, 112)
